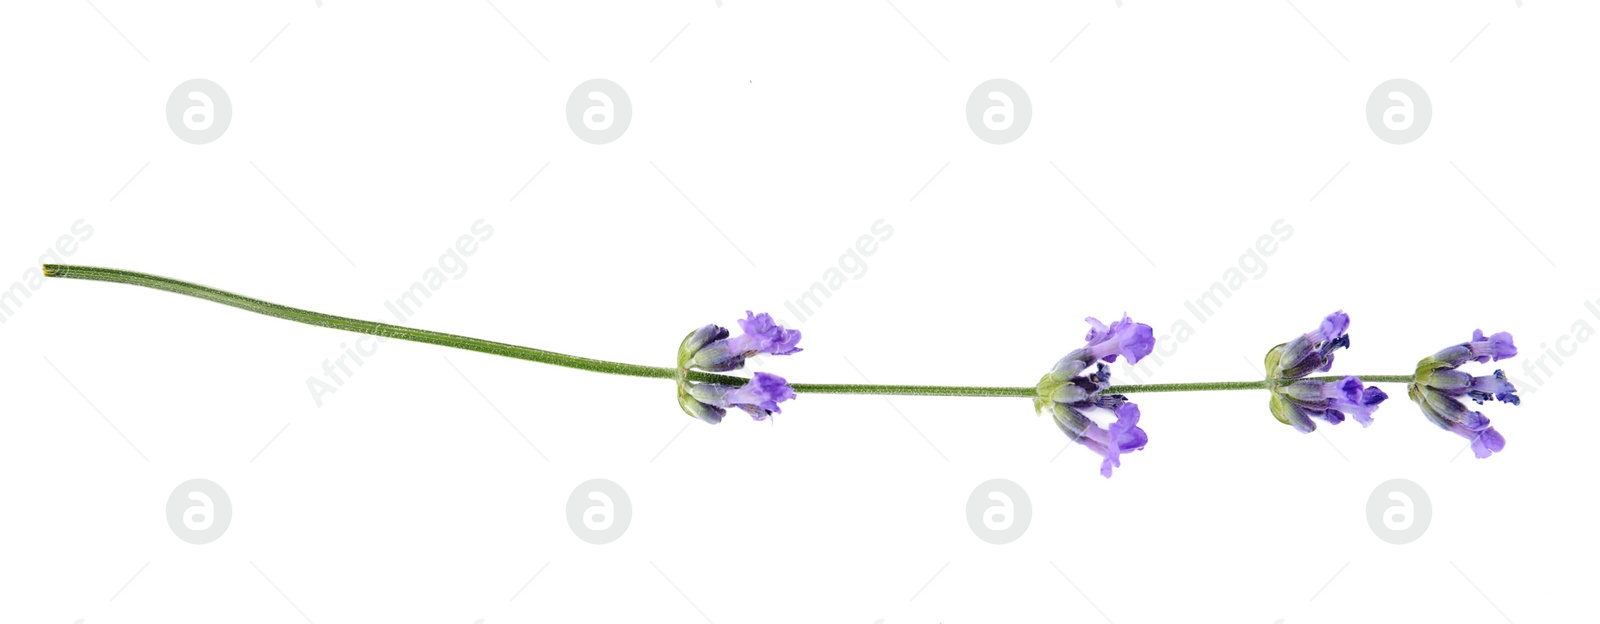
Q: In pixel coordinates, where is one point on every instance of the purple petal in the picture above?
(763, 335)
(1484, 443)
(1348, 389)
(1111, 461)
(1123, 338)
(1371, 397)
(1362, 403)
(765, 390)
(1488, 443)
(1097, 331)
(1332, 327)
(1497, 347)
(1125, 430)
(1123, 436)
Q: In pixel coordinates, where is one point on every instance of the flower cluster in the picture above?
(1070, 394)
(1076, 388)
(710, 349)
(1437, 386)
(1296, 400)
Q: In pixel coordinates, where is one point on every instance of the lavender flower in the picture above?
(1123, 436)
(1123, 338)
(1437, 386)
(1310, 352)
(1070, 395)
(759, 397)
(1330, 401)
(710, 349)
(1295, 401)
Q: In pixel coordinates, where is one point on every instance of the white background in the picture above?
(388, 129)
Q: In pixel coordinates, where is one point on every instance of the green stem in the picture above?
(969, 391)
(1405, 379)
(369, 327)
(589, 364)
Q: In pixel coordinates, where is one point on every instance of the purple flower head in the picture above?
(1123, 338)
(1330, 401)
(710, 349)
(1072, 400)
(759, 397)
(1437, 388)
(1312, 351)
(1295, 403)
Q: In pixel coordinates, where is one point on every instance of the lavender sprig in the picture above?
(1074, 390)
